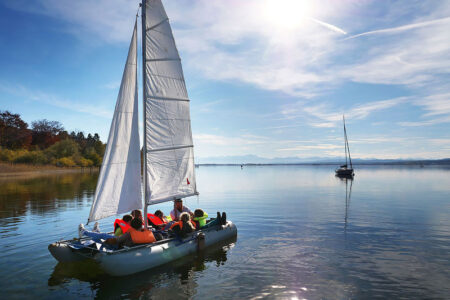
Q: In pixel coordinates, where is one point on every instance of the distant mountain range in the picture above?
(254, 159)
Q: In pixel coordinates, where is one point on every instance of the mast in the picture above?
(345, 141)
(144, 97)
(347, 146)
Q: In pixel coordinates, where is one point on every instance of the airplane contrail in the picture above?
(401, 28)
(329, 26)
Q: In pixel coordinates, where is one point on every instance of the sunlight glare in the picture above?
(287, 14)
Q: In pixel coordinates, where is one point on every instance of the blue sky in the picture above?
(265, 77)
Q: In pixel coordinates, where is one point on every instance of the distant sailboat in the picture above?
(169, 171)
(345, 170)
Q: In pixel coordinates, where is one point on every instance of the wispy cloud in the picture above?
(327, 115)
(231, 40)
(54, 100)
(437, 109)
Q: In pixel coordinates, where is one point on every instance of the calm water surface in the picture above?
(302, 234)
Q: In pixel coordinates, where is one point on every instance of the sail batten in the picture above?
(169, 155)
(119, 183)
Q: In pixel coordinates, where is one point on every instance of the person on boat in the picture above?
(122, 226)
(137, 214)
(135, 235)
(178, 209)
(95, 234)
(158, 220)
(200, 217)
(184, 226)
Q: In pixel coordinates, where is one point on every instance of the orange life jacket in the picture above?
(122, 224)
(142, 237)
(180, 223)
(154, 220)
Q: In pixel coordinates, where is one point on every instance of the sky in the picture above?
(270, 78)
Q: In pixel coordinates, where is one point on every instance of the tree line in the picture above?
(47, 142)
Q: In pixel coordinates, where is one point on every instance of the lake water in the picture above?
(301, 235)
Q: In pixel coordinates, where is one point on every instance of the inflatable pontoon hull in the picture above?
(135, 259)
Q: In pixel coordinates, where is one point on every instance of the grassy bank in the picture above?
(14, 170)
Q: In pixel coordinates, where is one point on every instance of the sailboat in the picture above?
(168, 156)
(345, 170)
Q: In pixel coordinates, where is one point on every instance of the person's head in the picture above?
(159, 214)
(185, 217)
(136, 223)
(198, 213)
(178, 203)
(127, 218)
(136, 214)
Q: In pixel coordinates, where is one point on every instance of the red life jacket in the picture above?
(155, 220)
(122, 224)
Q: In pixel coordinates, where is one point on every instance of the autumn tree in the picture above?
(14, 132)
(45, 133)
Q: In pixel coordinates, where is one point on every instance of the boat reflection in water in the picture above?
(348, 194)
(171, 280)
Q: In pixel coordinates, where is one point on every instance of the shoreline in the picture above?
(8, 170)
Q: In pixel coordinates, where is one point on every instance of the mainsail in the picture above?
(169, 154)
(119, 183)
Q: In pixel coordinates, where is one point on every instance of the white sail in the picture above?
(119, 183)
(169, 148)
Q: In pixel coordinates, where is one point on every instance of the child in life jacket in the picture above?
(200, 217)
(137, 214)
(184, 226)
(122, 226)
(158, 220)
(135, 235)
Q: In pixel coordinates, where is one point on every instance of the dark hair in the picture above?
(136, 223)
(178, 200)
(198, 213)
(159, 213)
(127, 218)
(136, 213)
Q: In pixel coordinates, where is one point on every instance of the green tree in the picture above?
(64, 148)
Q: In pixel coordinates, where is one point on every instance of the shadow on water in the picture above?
(171, 280)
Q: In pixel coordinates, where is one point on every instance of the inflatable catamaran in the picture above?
(169, 170)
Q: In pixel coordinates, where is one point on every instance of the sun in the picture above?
(287, 14)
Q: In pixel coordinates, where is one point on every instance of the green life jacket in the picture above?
(202, 220)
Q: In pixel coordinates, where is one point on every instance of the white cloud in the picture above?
(299, 52)
(327, 116)
(437, 109)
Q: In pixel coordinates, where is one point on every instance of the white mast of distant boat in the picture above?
(346, 146)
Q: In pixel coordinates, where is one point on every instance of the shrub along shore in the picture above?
(47, 144)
